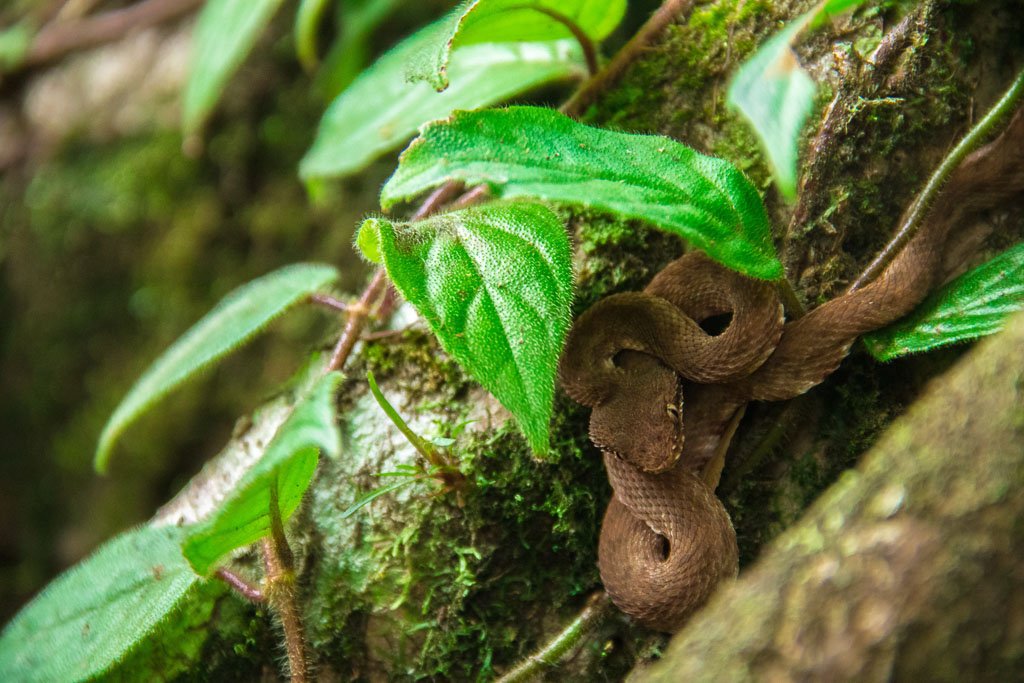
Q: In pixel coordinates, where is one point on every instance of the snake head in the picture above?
(642, 423)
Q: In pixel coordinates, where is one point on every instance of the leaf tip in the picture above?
(368, 240)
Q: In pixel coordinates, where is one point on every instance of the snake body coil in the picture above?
(665, 393)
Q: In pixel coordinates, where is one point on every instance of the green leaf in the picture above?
(535, 152)
(235, 320)
(14, 44)
(381, 109)
(95, 614)
(971, 306)
(288, 463)
(224, 35)
(348, 54)
(495, 284)
(831, 8)
(497, 21)
(307, 24)
(775, 95)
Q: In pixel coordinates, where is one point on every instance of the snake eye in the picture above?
(672, 410)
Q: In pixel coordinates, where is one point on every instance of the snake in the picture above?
(667, 388)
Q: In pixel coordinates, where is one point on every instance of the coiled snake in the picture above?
(643, 363)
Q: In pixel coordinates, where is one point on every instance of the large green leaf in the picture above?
(535, 152)
(971, 306)
(95, 614)
(497, 21)
(236, 319)
(495, 284)
(288, 464)
(224, 35)
(381, 109)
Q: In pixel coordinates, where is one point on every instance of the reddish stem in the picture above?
(240, 585)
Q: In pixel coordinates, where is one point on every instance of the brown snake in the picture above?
(666, 540)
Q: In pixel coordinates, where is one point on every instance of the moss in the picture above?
(178, 644)
(242, 636)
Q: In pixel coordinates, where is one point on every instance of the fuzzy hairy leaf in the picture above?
(973, 305)
(499, 21)
(381, 109)
(495, 284)
(775, 95)
(288, 464)
(224, 35)
(536, 152)
(232, 322)
(93, 615)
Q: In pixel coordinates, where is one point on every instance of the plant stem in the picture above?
(357, 315)
(425, 448)
(588, 92)
(790, 300)
(328, 301)
(586, 44)
(280, 590)
(240, 585)
(919, 209)
(593, 613)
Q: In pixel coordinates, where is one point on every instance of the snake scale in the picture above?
(666, 395)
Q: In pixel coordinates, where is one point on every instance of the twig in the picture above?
(919, 209)
(592, 614)
(471, 197)
(240, 585)
(280, 582)
(588, 92)
(61, 37)
(357, 315)
(436, 199)
(328, 301)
